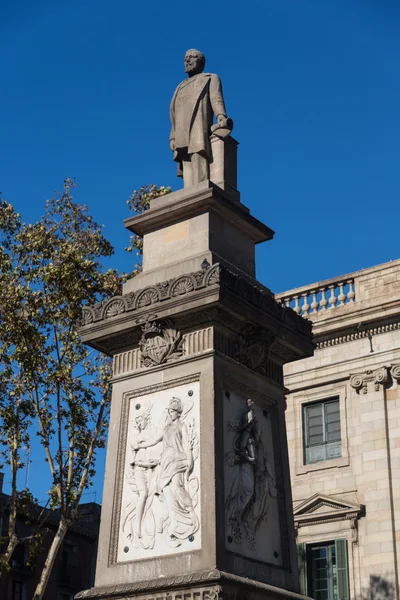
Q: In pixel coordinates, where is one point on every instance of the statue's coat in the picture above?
(193, 105)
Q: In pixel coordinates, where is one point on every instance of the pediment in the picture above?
(326, 508)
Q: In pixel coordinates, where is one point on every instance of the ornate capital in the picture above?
(359, 381)
(395, 372)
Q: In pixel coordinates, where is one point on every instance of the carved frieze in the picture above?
(359, 381)
(159, 508)
(247, 290)
(165, 290)
(251, 505)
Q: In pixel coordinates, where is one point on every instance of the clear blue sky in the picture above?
(313, 88)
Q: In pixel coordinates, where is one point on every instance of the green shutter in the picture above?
(342, 569)
(302, 564)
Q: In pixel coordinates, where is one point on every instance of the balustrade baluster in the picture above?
(314, 303)
(324, 301)
(342, 296)
(305, 307)
(296, 307)
(351, 293)
(332, 297)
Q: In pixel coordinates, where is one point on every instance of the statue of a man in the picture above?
(195, 102)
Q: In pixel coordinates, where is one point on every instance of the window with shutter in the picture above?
(321, 426)
(323, 570)
(342, 569)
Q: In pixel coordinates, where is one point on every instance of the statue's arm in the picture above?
(216, 97)
(172, 117)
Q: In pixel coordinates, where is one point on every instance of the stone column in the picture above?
(197, 500)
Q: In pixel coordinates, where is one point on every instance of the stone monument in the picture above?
(197, 500)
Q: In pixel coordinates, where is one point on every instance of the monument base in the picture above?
(203, 585)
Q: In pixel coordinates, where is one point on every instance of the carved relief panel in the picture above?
(160, 503)
(252, 522)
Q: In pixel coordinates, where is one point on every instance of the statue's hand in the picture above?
(221, 120)
(172, 144)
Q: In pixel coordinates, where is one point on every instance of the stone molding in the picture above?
(335, 510)
(203, 585)
(357, 335)
(248, 290)
(148, 296)
(359, 381)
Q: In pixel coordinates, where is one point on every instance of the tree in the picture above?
(48, 272)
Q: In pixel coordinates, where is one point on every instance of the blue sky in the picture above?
(313, 88)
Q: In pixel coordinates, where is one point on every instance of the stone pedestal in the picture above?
(197, 500)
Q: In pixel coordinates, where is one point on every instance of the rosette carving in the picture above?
(147, 297)
(182, 286)
(87, 316)
(114, 308)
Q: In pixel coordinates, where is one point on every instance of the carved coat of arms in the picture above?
(161, 342)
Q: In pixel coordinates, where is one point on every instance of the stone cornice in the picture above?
(356, 335)
(335, 510)
(115, 323)
(209, 585)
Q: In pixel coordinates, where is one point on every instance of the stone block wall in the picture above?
(356, 496)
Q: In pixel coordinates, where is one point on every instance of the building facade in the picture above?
(343, 424)
(75, 563)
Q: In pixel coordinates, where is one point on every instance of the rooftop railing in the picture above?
(316, 299)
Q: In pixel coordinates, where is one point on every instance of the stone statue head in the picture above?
(175, 404)
(194, 61)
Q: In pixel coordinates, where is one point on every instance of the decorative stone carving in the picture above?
(359, 381)
(164, 290)
(160, 498)
(395, 372)
(214, 594)
(147, 297)
(160, 342)
(252, 347)
(251, 491)
(247, 290)
(182, 286)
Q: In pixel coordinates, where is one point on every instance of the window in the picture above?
(18, 590)
(322, 439)
(18, 557)
(323, 570)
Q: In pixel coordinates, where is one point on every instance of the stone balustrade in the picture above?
(316, 299)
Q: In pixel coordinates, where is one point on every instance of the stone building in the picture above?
(343, 424)
(75, 563)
